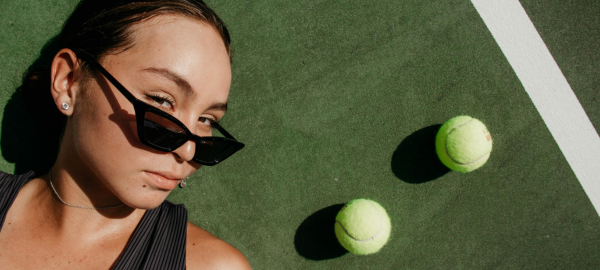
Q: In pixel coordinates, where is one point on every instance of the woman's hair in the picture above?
(102, 27)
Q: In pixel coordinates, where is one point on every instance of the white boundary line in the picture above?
(548, 89)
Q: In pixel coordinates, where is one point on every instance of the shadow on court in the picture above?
(315, 238)
(415, 160)
(31, 129)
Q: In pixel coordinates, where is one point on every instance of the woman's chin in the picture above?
(148, 202)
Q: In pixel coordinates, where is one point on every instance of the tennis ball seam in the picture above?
(372, 237)
(448, 151)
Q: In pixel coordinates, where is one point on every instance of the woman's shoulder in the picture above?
(206, 251)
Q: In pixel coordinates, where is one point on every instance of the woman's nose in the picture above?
(186, 152)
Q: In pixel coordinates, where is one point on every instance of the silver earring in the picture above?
(65, 106)
(182, 184)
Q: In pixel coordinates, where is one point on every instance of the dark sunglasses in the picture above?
(161, 131)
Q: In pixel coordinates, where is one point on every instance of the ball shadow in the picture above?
(315, 237)
(415, 160)
(30, 131)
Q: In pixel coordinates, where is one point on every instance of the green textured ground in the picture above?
(338, 100)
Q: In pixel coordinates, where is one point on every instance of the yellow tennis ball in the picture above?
(362, 226)
(463, 144)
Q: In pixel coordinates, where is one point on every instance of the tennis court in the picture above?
(338, 100)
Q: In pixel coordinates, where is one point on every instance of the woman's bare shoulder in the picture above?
(206, 251)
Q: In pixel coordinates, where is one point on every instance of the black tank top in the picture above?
(158, 242)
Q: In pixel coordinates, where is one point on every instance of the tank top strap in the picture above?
(9, 188)
(158, 242)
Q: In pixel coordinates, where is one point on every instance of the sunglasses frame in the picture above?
(141, 108)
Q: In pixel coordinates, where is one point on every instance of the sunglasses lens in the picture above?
(166, 135)
(162, 132)
(211, 151)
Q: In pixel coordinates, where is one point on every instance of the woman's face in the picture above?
(177, 64)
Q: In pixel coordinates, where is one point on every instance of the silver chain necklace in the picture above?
(78, 206)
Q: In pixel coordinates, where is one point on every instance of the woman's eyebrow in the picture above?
(182, 83)
(218, 107)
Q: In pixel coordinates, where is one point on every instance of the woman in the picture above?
(142, 86)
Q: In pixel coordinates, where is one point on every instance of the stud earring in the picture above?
(183, 184)
(65, 106)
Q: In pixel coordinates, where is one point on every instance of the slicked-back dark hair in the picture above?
(99, 26)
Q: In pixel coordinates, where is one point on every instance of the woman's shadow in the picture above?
(31, 124)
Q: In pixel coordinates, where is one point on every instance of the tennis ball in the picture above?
(362, 226)
(463, 144)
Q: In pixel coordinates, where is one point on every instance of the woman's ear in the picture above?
(64, 73)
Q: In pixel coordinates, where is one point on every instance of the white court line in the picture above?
(548, 89)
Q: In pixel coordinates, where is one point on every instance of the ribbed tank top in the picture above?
(157, 243)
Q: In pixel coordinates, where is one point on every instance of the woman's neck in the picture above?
(37, 200)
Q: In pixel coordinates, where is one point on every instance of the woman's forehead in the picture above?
(177, 38)
(189, 52)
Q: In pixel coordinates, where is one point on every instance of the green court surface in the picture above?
(338, 100)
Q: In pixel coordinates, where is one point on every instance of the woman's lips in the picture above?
(162, 182)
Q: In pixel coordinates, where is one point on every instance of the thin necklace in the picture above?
(78, 206)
